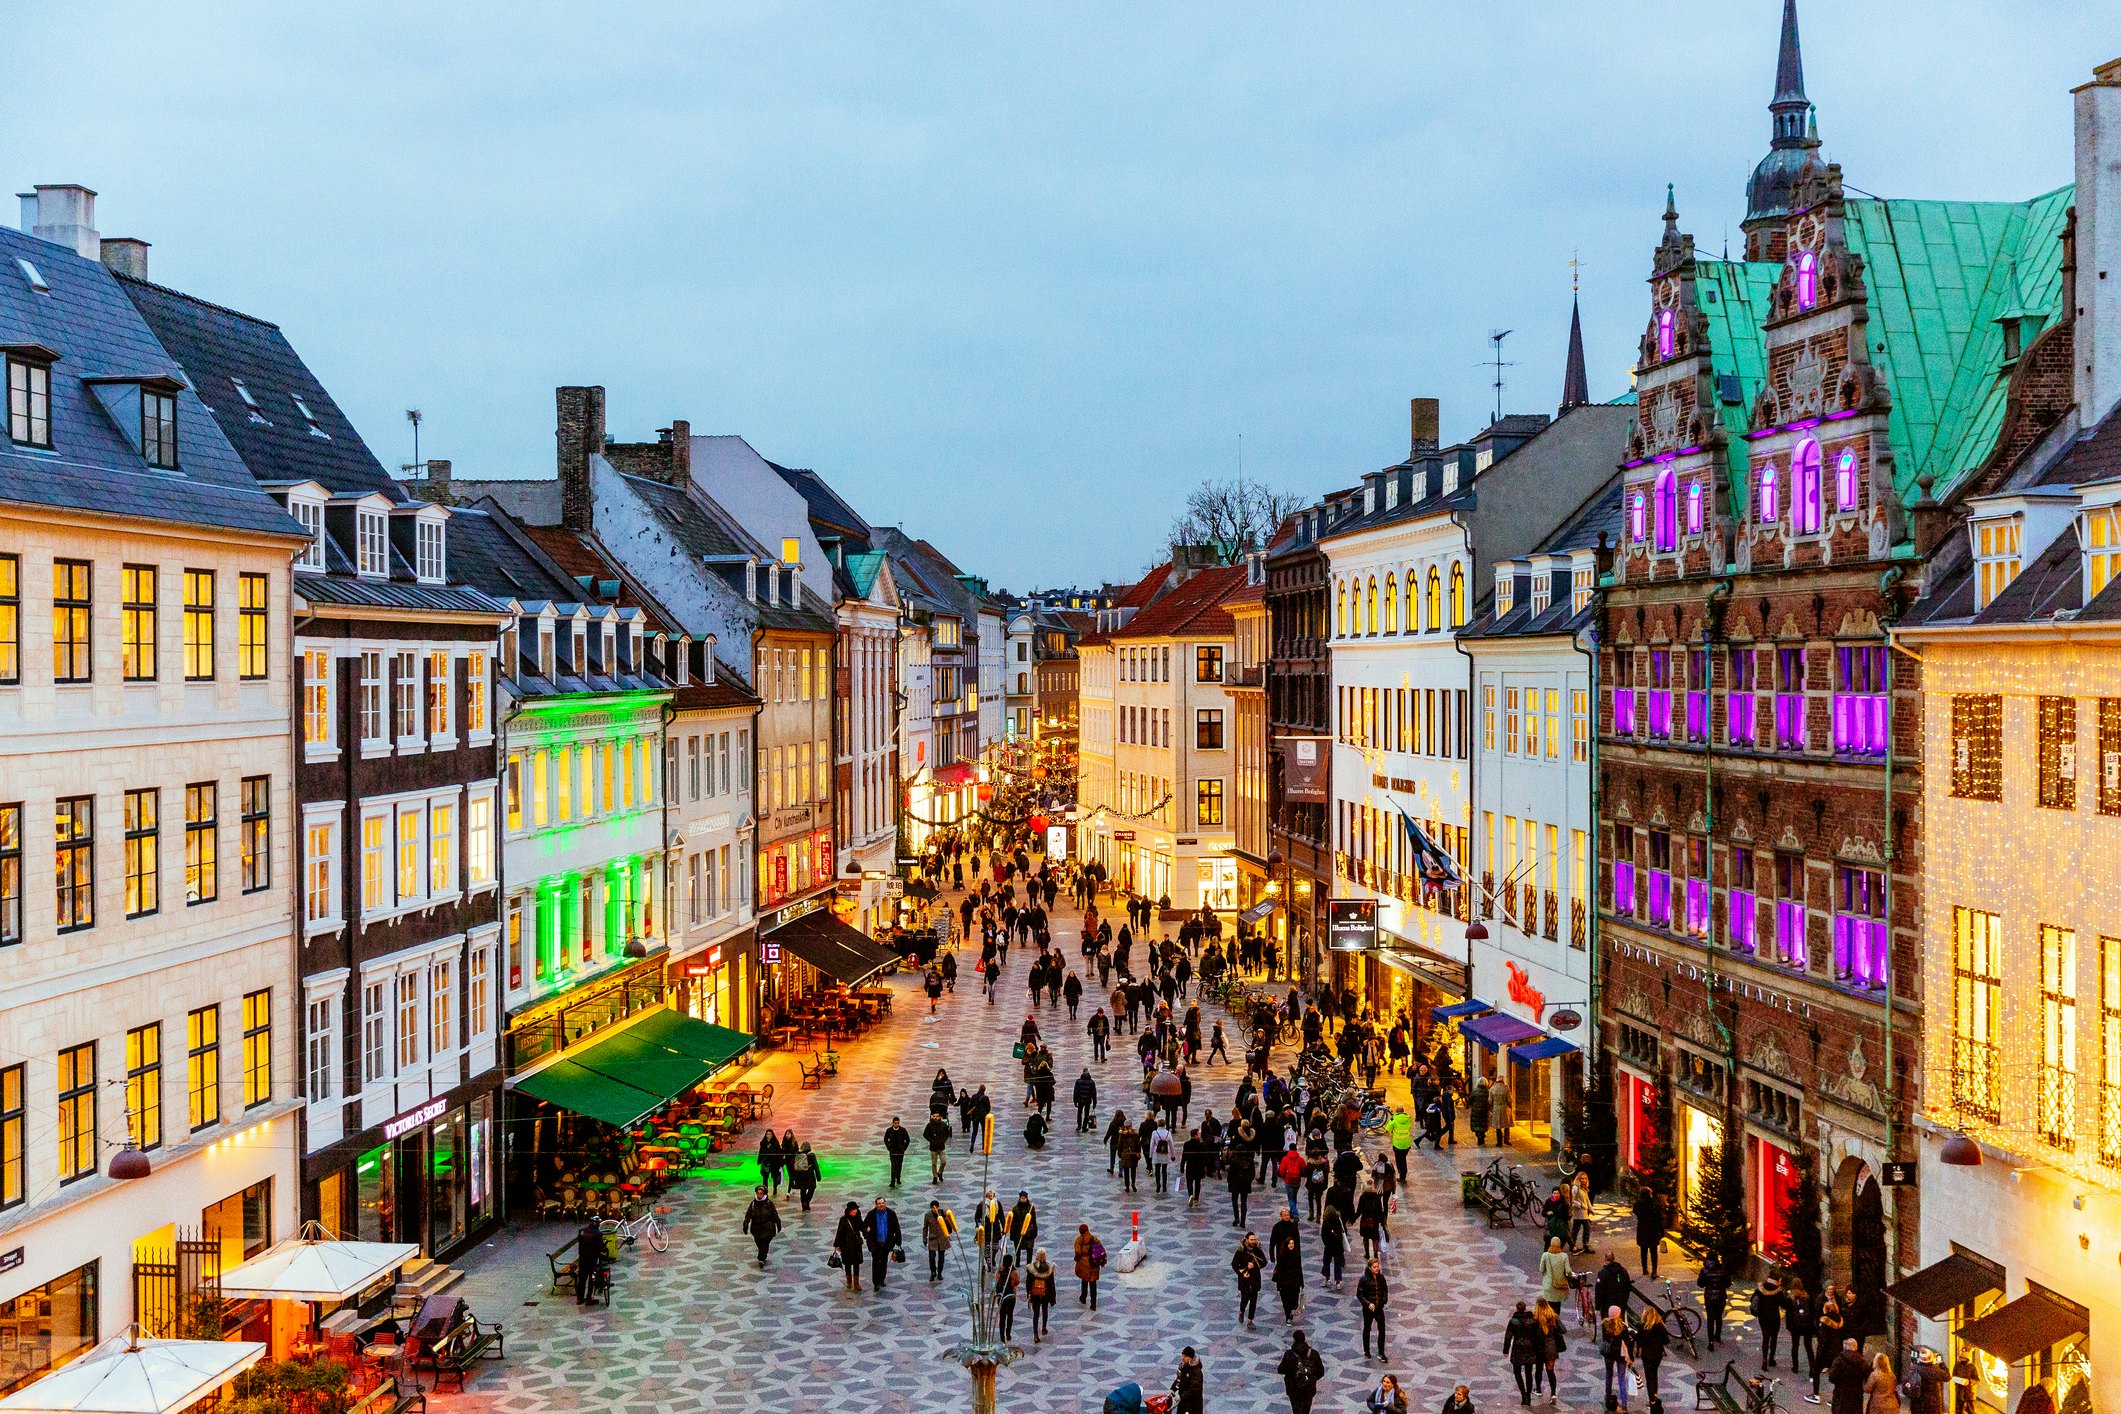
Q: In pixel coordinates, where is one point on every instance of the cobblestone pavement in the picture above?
(702, 1327)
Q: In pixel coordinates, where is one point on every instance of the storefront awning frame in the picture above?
(2032, 1323)
(1545, 1048)
(624, 1075)
(1946, 1284)
(315, 1266)
(839, 952)
(1498, 1029)
(1471, 1006)
(132, 1373)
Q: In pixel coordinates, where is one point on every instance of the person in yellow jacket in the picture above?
(1401, 1129)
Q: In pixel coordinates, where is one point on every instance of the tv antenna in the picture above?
(416, 467)
(1495, 337)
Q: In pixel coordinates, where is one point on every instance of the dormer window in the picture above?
(432, 561)
(611, 650)
(1581, 583)
(1807, 280)
(257, 414)
(1542, 591)
(1450, 475)
(545, 650)
(1391, 492)
(372, 544)
(1807, 501)
(1505, 590)
(578, 653)
(2101, 535)
(32, 277)
(158, 429)
(29, 402)
(633, 647)
(310, 515)
(310, 418)
(1996, 558)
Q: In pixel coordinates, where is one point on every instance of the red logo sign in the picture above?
(1523, 992)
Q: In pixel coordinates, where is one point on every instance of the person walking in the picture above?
(1285, 1242)
(1089, 1263)
(770, 1161)
(980, 1106)
(1800, 1315)
(1112, 1129)
(1189, 1385)
(803, 1172)
(1250, 1264)
(1022, 1226)
(1371, 1223)
(1237, 1173)
(1523, 1343)
(1195, 1158)
(1651, 1338)
(1160, 1156)
(1100, 1029)
(1552, 1341)
(1039, 1290)
(1460, 1401)
(1715, 1293)
(897, 1139)
(1881, 1393)
(1072, 990)
(1373, 1293)
(1290, 1170)
(1616, 1343)
(762, 1221)
(1767, 1310)
(938, 1228)
(1580, 1211)
(847, 1244)
(1826, 1341)
(1006, 1281)
(1400, 1129)
(1333, 1241)
(1085, 1102)
(1129, 1147)
(1651, 1222)
(937, 1134)
(1611, 1286)
(1301, 1369)
(880, 1230)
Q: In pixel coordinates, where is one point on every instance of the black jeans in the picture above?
(1373, 1316)
(1526, 1374)
(1770, 1338)
(1579, 1235)
(1801, 1348)
(1163, 1177)
(1649, 1378)
(1088, 1293)
(1336, 1264)
(1082, 1115)
(1714, 1306)
(1399, 1157)
(1193, 1187)
(761, 1241)
(1127, 1174)
(1005, 1317)
(898, 1163)
(1041, 1314)
(879, 1266)
(1247, 1303)
(935, 1264)
(1649, 1257)
(1098, 1046)
(1238, 1203)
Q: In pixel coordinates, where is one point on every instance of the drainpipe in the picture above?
(1888, 615)
(500, 874)
(1718, 602)
(1591, 1042)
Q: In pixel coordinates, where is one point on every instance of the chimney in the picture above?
(64, 214)
(680, 452)
(126, 255)
(1427, 416)
(2098, 282)
(579, 432)
(438, 479)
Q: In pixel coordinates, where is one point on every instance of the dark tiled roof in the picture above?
(95, 466)
(491, 552)
(826, 506)
(352, 592)
(1579, 532)
(1195, 608)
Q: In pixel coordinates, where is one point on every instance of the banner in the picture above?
(1351, 924)
(1304, 763)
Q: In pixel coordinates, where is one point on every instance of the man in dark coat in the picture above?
(1611, 1286)
(881, 1231)
(1237, 1172)
(1846, 1375)
(1300, 1369)
(589, 1261)
(1085, 1101)
(762, 1221)
(897, 1139)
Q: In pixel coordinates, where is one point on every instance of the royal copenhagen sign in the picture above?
(414, 1119)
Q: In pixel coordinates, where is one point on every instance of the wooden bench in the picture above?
(563, 1273)
(462, 1351)
(392, 1397)
(1716, 1393)
(812, 1076)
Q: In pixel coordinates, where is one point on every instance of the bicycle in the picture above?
(1511, 1187)
(648, 1225)
(1685, 1324)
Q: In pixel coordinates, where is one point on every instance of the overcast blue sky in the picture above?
(1013, 276)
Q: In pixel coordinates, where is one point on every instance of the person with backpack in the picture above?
(1333, 1241)
(1089, 1263)
(1160, 1156)
(1039, 1290)
(803, 1172)
(1300, 1369)
(1085, 1102)
(1523, 1343)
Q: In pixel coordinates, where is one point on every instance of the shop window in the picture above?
(47, 1327)
(2057, 724)
(241, 1223)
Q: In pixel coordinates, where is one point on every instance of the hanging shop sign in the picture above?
(1056, 839)
(10, 1259)
(1123, 836)
(1898, 1173)
(1303, 770)
(1565, 1020)
(1351, 923)
(1522, 991)
(769, 953)
(414, 1119)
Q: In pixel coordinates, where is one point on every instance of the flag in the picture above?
(1431, 861)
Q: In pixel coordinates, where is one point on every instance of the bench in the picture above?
(464, 1348)
(563, 1273)
(392, 1397)
(812, 1077)
(1716, 1393)
(1501, 1212)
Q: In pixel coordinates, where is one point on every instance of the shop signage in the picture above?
(793, 911)
(10, 1259)
(1899, 1173)
(1523, 992)
(1351, 923)
(894, 888)
(769, 953)
(1123, 836)
(1056, 840)
(413, 1119)
(1303, 770)
(706, 966)
(1565, 1020)
(1188, 841)
(852, 888)
(1398, 783)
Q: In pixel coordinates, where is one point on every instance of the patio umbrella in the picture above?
(135, 1374)
(315, 1266)
(1167, 1085)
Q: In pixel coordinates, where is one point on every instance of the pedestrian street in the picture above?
(702, 1327)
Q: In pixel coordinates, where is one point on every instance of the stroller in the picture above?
(1128, 1399)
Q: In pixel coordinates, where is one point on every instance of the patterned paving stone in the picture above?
(701, 1327)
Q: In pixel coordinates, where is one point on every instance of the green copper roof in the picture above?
(1734, 295)
(1940, 273)
(862, 571)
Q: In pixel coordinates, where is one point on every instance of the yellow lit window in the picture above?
(564, 786)
(539, 814)
(2102, 549)
(1996, 555)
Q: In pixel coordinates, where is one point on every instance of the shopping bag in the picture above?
(1017, 1050)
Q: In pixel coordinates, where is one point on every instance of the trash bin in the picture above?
(1469, 1189)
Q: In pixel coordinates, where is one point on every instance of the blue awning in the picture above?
(1541, 1050)
(1471, 1006)
(1498, 1030)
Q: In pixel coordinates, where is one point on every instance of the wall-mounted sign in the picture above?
(1124, 836)
(1899, 1173)
(769, 953)
(413, 1119)
(1057, 840)
(10, 1259)
(769, 921)
(1522, 991)
(1303, 770)
(1565, 1020)
(707, 964)
(1351, 923)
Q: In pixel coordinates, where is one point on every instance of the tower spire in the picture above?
(1793, 146)
(1789, 62)
(1575, 383)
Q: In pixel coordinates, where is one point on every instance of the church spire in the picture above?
(1793, 146)
(1575, 383)
(1789, 62)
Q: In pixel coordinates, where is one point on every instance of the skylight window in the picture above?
(30, 274)
(257, 414)
(308, 417)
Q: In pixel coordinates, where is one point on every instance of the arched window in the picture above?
(1638, 517)
(1845, 488)
(1370, 618)
(1693, 508)
(1341, 598)
(1435, 615)
(1806, 500)
(1391, 604)
(1667, 509)
(1807, 280)
(1770, 506)
(1665, 336)
(1458, 596)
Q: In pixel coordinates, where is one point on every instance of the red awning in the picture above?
(955, 774)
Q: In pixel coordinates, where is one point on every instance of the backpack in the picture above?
(1097, 1253)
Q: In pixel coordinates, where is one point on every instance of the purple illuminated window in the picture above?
(1667, 510)
(1741, 906)
(1638, 518)
(1859, 700)
(1697, 696)
(1624, 710)
(1660, 694)
(1664, 334)
(1741, 720)
(1845, 490)
(1693, 508)
(1789, 699)
(1697, 907)
(1859, 927)
(1790, 942)
(1660, 909)
(1807, 280)
(1769, 507)
(1805, 497)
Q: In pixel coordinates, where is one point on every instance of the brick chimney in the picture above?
(126, 255)
(579, 432)
(1426, 414)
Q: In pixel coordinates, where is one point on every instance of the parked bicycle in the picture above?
(632, 1229)
(1510, 1188)
(1681, 1317)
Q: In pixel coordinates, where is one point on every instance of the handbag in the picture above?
(898, 1254)
(832, 1259)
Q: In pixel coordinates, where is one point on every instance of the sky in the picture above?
(1014, 276)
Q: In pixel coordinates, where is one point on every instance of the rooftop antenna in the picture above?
(415, 467)
(1495, 337)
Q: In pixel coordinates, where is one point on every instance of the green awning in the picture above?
(629, 1074)
(576, 1087)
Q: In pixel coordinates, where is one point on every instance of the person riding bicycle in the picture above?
(592, 1264)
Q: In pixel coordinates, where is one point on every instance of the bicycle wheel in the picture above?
(1685, 1325)
(658, 1236)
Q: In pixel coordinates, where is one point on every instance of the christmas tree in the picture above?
(1716, 1219)
(1804, 1249)
(1659, 1170)
(1590, 1126)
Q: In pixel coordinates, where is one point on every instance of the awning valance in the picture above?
(1545, 1048)
(1942, 1285)
(1256, 912)
(315, 1267)
(833, 948)
(714, 1046)
(1498, 1030)
(2031, 1323)
(1471, 1006)
(629, 1074)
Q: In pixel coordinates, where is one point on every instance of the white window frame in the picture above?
(381, 854)
(319, 690)
(444, 827)
(439, 714)
(408, 827)
(372, 544)
(481, 873)
(444, 1038)
(1994, 568)
(377, 1050)
(408, 1018)
(321, 1051)
(309, 514)
(325, 819)
(407, 697)
(478, 698)
(373, 705)
(478, 1004)
(433, 563)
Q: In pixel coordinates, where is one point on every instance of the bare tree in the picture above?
(1231, 517)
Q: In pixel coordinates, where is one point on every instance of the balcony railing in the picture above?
(2058, 1106)
(1553, 913)
(1579, 924)
(1244, 674)
(1977, 1079)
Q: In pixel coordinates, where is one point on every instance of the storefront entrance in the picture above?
(431, 1185)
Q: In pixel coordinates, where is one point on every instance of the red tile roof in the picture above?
(1194, 609)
